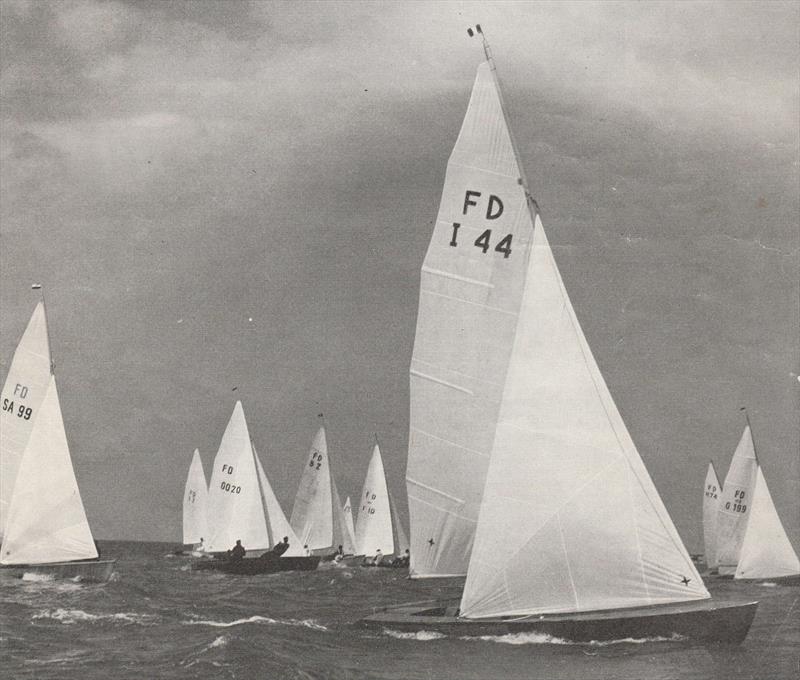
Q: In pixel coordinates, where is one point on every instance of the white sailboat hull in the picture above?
(94, 571)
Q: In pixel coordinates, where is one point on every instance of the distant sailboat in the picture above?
(520, 466)
(753, 544)
(317, 515)
(195, 501)
(350, 526)
(45, 526)
(374, 530)
(242, 507)
(710, 509)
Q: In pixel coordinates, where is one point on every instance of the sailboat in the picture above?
(349, 525)
(195, 500)
(44, 525)
(567, 536)
(751, 541)
(711, 494)
(318, 518)
(242, 507)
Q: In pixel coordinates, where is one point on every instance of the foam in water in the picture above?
(533, 638)
(37, 577)
(71, 616)
(306, 623)
(422, 635)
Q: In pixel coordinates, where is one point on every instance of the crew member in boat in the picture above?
(402, 560)
(279, 548)
(237, 552)
(306, 551)
(338, 556)
(375, 560)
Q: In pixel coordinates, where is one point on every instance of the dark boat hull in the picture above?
(793, 580)
(250, 566)
(703, 621)
(95, 571)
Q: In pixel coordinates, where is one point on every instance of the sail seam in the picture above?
(438, 492)
(460, 373)
(452, 443)
(456, 277)
(566, 559)
(469, 302)
(419, 374)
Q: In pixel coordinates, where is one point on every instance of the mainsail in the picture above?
(342, 531)
(235, 506)
(347, 511)
(471, 288)
(710, 510)
(22, 395)
(735, 503)
(195, 501)
(278, 525)
(570, 519)
(46, 521)
(312, 514)
(374, 523)
(766, 551)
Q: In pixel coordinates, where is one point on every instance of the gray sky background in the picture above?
(171, 170)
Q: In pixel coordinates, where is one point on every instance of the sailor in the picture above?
(378, 558)
(338, 556)
(306, 551)
(403, 560)
(280, 548)
(237, 552)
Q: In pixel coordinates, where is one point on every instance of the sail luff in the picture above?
(277, 524)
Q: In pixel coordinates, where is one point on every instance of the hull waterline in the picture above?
(95, 571)
(705, 621)
(251, 566)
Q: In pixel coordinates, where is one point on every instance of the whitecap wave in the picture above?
(71, 616)
(534, 638)
(768, 584)
(306, 623)
(422, 635)
(37, 577)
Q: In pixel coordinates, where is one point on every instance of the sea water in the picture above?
(158, 619)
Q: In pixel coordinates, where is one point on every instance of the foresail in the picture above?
(570, 519)
(735, 503)
(470, 291)
(195, 500)
(766, 551)
(374, 524)
(400, 538)
(235, 507)
(23, 392)
(312, 514)
(46, 519)
(710, 507)
(277, 524)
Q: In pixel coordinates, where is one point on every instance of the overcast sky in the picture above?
(222, 195)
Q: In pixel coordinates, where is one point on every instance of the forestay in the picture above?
(235, 507)
(766, 551)
(470, 291)
(277, 524)
(312, 514)
(570, 519)
(46, 520)
(374, 523)
(195, 501)
(735, 504)
(710, 510)
(23, 391)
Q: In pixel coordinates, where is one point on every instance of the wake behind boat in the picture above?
(44, 527)
(521, 471)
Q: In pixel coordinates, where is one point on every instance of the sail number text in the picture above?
(711, 491)
(225, 486)
(21, 411)
(494, 208)
(316, 460)
(369, 498)
(737, 505)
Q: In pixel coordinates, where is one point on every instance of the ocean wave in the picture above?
(422, 635)
(305, 623)
(70, 616)
(36, 577)
(534, 638)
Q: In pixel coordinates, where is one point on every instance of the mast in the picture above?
(533, 206)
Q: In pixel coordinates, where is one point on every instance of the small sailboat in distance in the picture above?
(374, 529)
(752, 543)
(570, 537)
(195, 506)
(349, 525)
(710, 510)
(45, 530)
